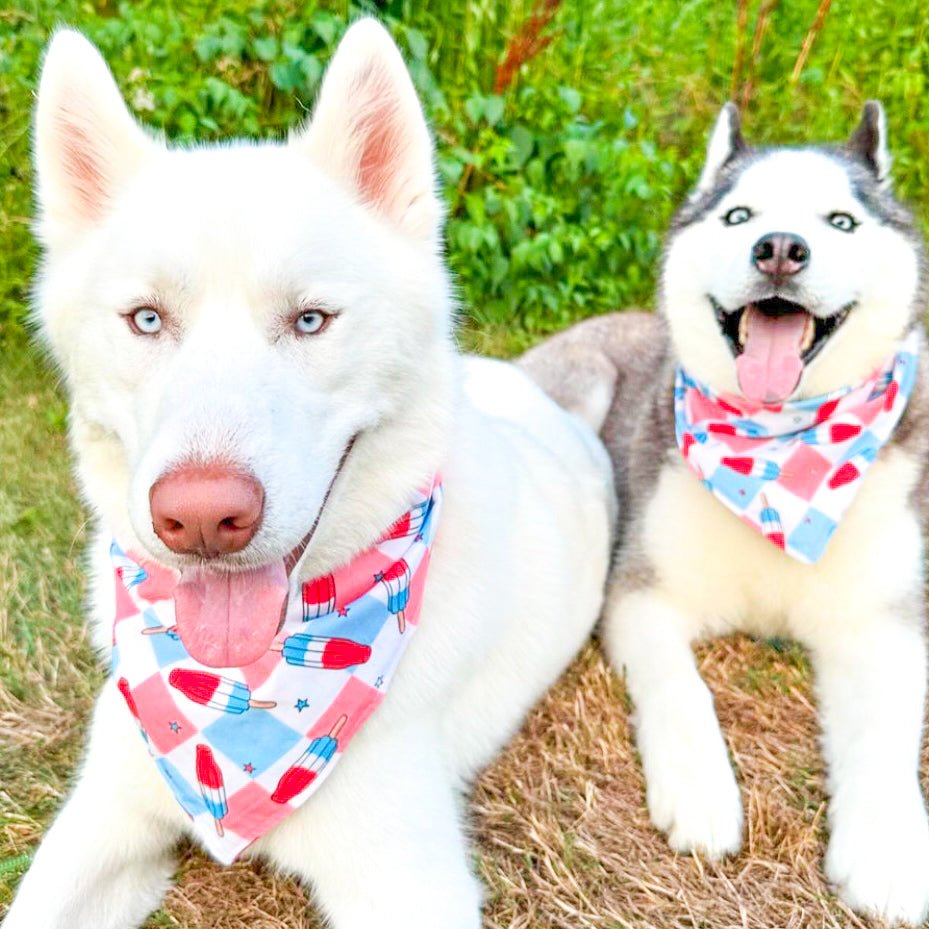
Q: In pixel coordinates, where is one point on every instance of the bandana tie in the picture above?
(243, 747)
(791, 470)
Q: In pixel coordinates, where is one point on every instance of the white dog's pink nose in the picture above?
(206, 510)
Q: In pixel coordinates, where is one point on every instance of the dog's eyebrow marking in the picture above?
(695, 212)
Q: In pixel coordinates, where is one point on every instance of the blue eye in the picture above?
(738, 215)
(311, 322)
(844, 222)
(145, 321)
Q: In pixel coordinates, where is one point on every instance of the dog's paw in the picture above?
(879, 860)
(694, 798)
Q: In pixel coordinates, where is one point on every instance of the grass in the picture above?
(559, 186)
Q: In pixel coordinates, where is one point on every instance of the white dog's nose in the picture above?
(207, 510)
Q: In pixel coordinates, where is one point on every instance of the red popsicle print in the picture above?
(397, 579)
(220, 693)
(212, 786)
(893, 389)
(299, 776)
(123, 686)
(319, 651)
(844, 475)
(319, 597)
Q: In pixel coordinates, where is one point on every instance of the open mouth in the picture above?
(772, 341)
(230, 619)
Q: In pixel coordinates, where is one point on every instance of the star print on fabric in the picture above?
(419, 537)
(379, 682)
(379, 577)
(241, 721)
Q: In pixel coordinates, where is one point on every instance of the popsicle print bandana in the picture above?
(241, 748)
(792, 470)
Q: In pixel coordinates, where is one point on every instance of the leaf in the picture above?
(571, 98)
(286, 75)
(417, 44)
(312, 69)
(474, 108)
(327, 27)
(266, 48)
(493, 109)
(522, 145)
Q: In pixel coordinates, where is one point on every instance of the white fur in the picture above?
(227, 242)
(791, 191)
(882, 157)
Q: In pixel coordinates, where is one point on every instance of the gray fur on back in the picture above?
(624, 357)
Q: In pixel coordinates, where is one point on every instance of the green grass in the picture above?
(559, 189)
(48, 676)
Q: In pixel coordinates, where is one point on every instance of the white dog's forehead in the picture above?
(793, 182)
(263, 216)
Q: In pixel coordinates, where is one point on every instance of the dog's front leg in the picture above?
(382, 843)
(871, 681)
(106, 861)
(691, 789)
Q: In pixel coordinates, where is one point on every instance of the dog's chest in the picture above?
(725, 575)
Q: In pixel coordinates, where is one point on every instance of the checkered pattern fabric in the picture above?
(791, 470)
(241, 748)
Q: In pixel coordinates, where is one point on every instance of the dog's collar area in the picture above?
(818, 330)
(791, 470)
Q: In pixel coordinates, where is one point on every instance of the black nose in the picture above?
(780, 254)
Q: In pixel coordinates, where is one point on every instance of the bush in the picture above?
(559, 178)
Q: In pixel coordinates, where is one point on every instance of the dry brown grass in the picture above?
(572, 844)
(561, 833)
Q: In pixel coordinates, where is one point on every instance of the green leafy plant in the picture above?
(566, 131)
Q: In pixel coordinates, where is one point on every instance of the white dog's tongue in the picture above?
(230, 620)
(770, 365)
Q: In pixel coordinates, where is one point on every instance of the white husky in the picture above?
(259, 309)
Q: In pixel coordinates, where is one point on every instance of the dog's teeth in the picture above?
(809, 333)
(743, 329)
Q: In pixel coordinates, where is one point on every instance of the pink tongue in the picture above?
(769, 367)
(229, 620)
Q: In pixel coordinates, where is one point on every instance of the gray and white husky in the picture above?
(790, 273)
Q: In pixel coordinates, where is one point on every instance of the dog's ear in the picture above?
(868, 142)
(368, 131)
(86, 144)
(726, 143)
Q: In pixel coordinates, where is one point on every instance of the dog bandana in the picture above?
(791, 470)
(243, 747)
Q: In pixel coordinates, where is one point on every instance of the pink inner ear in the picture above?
(80, 162)
(379, 139)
